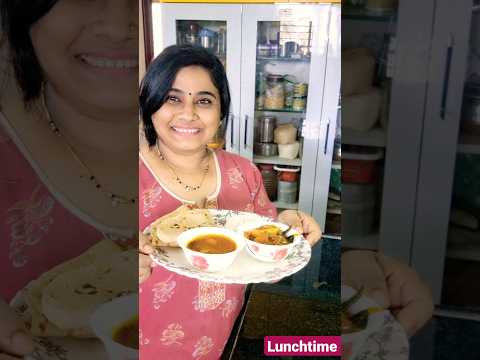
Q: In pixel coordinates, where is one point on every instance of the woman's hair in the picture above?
(161, 74)
(17, 17)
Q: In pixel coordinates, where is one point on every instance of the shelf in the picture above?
(374, 137)
(276, 160)
(332, 236)
(366, 242)
(281, 111)
(283, 205)
(360, 13)
(463, 244)
(469, 144)
(284, 59)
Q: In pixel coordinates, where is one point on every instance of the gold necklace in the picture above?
(187, 187)
(115, 199)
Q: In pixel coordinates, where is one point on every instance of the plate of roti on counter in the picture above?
(245, 268)
(57, 306)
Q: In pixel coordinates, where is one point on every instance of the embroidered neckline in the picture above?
(211, 197)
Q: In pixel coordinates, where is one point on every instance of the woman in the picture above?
(69, 87)
(184, 99)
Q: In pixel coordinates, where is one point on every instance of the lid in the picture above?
(275, 77)
(265, 166)
(287, 168)
(300, 85)
(369, 155)
(268, 118)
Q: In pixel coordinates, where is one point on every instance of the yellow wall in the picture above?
(251, 1)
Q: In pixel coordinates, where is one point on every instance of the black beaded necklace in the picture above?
(187, 187)
(115, 199)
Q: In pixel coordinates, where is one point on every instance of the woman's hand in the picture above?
(14, 338)
(392, 284)
(144, 260)
(303, 223)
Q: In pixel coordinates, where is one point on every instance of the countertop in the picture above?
(306, 303)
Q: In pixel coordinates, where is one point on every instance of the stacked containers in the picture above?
(359, 190)
(270, 181)
(287, 190)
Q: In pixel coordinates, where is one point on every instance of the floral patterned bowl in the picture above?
(354, 342)
(210, 262)
(264, 252)
(106, 318)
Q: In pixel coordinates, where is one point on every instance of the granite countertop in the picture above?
(306, 303)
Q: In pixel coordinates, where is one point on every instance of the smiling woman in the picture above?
(68, 137)
(184, 97)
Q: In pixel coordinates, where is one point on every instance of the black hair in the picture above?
(17, 17)
(161, 74)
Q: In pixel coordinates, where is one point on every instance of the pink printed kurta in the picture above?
(38, 228)
(183, 318)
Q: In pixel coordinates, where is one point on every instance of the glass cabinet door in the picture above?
(446, 248)
(213, 27)
(283, 64)
(384, 83)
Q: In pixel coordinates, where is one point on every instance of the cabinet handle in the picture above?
(446, 77)
(326, 138)
(232, 118)
(245, 133)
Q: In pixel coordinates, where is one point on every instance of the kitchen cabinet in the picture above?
(399, 41)
(282, 61)
(294, 43)
(428, 176)
(173, 23)
(446, 255)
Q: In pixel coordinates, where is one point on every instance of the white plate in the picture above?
(384, 337)
(245, 269)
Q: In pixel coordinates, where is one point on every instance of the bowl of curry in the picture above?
(116, 324)
(269, 241)
(210, 249)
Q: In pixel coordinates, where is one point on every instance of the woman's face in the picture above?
(88, 51)
(190, 116)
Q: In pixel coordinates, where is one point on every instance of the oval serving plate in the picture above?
(245, 269)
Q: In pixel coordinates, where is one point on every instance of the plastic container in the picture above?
(270, 180)
(358, 218)
(299, 103)
(266, 126)
(358, 70)
(274, 92)
(361, 112)
(289, 151)
(287, 190)
(333, 222)
(336, 179)
(265, 149)
(360, 168)
(471, 108)
(300, 89)
(359, 193)
(285, 134)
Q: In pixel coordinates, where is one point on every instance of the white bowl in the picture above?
(355, 341)
(268, 253)
(108, 317)
(210, 262)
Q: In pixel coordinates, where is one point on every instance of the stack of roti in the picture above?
(165, 230)
(61, 301)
